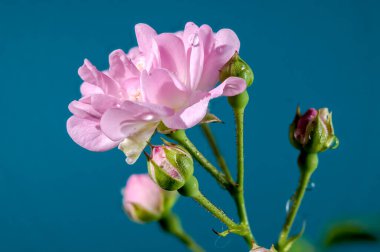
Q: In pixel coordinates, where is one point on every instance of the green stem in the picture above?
(218, 213)
(171, 224)
(307, 162)
(219, 157)
(238, 193)
(181, 138)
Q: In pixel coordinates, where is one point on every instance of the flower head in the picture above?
(169, 78)
(313, 131)
(144, 201)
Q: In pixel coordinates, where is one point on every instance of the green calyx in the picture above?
(191, 187)
(240, 101)
(237, 67)
(308, 162)
(141, 215)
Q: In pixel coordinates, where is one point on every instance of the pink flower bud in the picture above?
(313, 131)
(143, 200)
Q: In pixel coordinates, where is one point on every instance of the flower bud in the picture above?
(313, 131)
(238, 68)
(170, 166)
(144, 201)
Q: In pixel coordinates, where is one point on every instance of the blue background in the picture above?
(56, 196)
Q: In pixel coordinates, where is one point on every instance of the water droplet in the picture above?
(148, 117)
(194, 39)
(289, 204)
(310, 186)
(220, 50)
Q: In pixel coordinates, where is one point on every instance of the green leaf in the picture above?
(352, 231)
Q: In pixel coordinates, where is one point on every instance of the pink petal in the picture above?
(206, 35)
(213, 64)
(130, 118)
(87, 134)
(101, 102)
(170, 54)
(230, 87)
(121, 67)
(141, 190)
(83, 110)
(190, 29)
(159, 87)
(87, 89)
(192, 115)
(195, 54)
(90, 74)
(144, 35)
(227, 37)
(226, 44)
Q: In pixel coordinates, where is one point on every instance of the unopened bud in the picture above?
(313, 131)
(237, 67)
(170, 166)
(144, 201)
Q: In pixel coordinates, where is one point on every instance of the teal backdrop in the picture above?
(56, 196)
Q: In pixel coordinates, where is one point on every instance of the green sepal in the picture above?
(142, 215)
(210, 118)
(182, 162)
(163, 129)
(164, 180)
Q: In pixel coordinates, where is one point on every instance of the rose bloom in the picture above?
(169, 78)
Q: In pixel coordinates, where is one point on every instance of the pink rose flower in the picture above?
(169, 77)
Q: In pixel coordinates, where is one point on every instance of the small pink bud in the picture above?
(143, 200)
(313, 131)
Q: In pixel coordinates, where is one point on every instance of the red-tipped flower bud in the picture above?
(313, 131)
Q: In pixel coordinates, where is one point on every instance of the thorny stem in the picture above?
(307, 162)
(181, 138)
(238, 193)
(219, 157)
(171, 224)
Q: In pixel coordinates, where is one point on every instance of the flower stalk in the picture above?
(181, 138)
(171, 224)
(307, 163)
(219, 157)
(238, 103)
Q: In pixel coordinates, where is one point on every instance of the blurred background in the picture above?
(56, 196)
